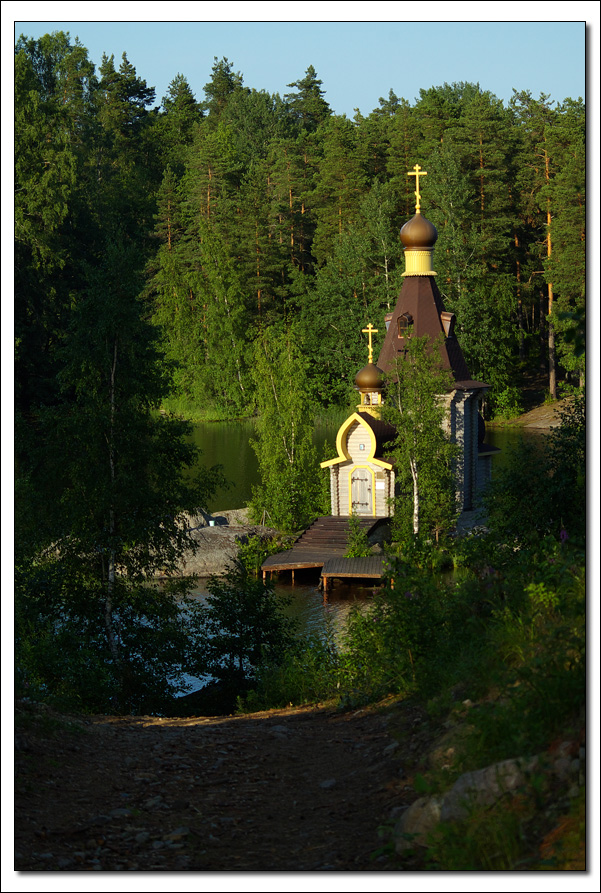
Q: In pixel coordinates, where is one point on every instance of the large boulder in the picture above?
(484, 787)
(471, 790)
(218, 537)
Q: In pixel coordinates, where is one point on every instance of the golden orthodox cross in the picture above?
(370, 331)
(417, 172)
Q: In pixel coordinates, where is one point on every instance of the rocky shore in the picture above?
(219, 536)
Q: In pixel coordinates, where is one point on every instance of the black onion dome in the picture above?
(370, 378)
(419, 233)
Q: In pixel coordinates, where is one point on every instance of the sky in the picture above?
(357, 61)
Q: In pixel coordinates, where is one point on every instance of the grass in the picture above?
(195, 412)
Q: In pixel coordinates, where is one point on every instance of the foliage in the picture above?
(308, 674)
(508, 404)
(541, 489)
(290, 494)
(358, 544)
(271, 208)
(241, 627)
(489, 840)
(256, 549)
(416, 408)
(269, 225)
(62, 652)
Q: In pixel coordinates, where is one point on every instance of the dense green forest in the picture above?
(219, 257)
(241, 215)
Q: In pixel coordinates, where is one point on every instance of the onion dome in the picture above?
(418, 236)
(370, 378)
(419, 233)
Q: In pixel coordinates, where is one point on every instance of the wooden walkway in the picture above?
(370, 568)
(326, 539)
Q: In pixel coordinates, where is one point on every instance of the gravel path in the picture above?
(287, 790)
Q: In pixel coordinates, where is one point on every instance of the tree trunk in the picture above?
(552, 358)
(542, 324)
(522, 352)
(552, 363)
(112, 563)
(413, 465)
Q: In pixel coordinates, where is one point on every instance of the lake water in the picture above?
(228, 444)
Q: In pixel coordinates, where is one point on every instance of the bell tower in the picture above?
(420, 311)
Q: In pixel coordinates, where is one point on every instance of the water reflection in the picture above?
(305, 604)
(228, 444)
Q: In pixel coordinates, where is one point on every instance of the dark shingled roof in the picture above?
(422, 301)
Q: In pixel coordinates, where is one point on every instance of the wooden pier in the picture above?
(324, 541)
(370, 568)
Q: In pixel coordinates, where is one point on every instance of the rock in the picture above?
(218, 548)
(153, 803)
(329, 783)
(177, 835)
(416, 823)
(561, 767)
(396, 812)
(484, 787)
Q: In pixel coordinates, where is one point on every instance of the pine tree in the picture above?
(55, 130)
(357, 285)
(537, 119)
(128, 170)
(174, 130)
(566, 267)
(220, 89)
(339, 186)
(307, 106)
(293, 166)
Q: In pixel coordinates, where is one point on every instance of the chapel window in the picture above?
(405, 323)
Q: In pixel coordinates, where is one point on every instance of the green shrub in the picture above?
(358, 544)
(62, 654)
(256, 549)
(241, 627)
(508, 404)
(308, 674)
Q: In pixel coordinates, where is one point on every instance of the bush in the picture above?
(507, 404)
(358, 544)
(241, 628)
(62, 653)
(541, 489)
(307, 674)
(253, 552)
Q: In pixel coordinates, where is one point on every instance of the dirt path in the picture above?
(287, 790)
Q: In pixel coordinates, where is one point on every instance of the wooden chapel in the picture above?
(361, 476)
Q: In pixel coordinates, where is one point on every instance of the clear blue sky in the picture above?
(357, 61)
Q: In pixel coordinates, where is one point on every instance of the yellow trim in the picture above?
(418, 262)
(343, 454)
(373, 489)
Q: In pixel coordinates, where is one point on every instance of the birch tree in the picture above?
(416, 405)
